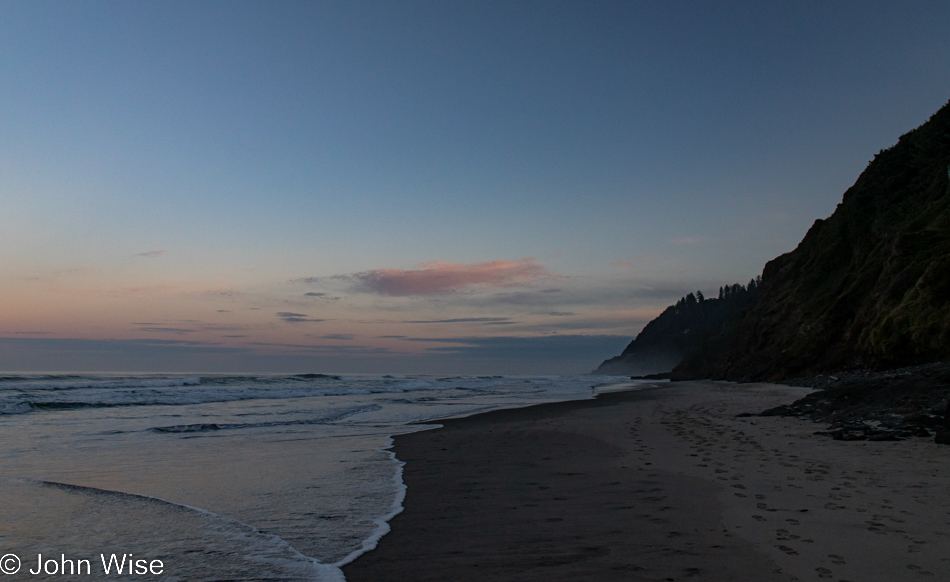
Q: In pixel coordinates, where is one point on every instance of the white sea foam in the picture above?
(382, 522)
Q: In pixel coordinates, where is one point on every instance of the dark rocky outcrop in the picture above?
(877, 406)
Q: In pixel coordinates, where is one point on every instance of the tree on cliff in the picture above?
(682, 328)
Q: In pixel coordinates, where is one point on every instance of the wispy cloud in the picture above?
(167, 329)
(593, 348)
(627, 323)
(164, 342)
(611, 293)
(186, 326)
(290, 317)
(440, 277)
(338, 336)
(112, 345)
(321, 349)
(485, 320)
(151, 253)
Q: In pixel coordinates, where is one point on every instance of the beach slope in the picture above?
(664, 483)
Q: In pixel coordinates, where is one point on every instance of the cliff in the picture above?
(867, 288)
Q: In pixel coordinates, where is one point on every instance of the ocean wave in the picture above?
(329, 416)
(204, 427)
(35, 393)
(15, 408)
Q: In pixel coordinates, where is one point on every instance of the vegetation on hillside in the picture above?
(690, 323)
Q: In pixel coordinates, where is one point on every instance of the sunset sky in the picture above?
(421, 187)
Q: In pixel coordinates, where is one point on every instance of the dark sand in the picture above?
(662, 484)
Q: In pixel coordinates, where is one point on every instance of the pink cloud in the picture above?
(442, 277)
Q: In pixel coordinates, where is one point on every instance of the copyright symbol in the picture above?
(10, 564)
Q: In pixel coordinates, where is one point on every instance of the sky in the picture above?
(421, 187)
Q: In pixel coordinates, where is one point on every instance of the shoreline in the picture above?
(658, 483)
(383, 528)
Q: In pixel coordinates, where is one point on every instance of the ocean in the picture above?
(219, 477)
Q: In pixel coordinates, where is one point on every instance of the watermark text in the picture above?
(107, 565)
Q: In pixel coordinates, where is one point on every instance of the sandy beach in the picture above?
(665, 483)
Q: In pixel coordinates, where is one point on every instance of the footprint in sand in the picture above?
(788, 550)
(759, 518)
(823, 572)
(836, 559)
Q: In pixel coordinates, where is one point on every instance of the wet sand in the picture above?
(663, 484)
